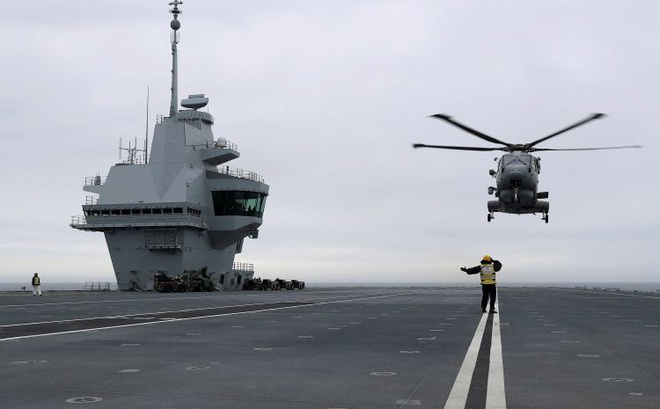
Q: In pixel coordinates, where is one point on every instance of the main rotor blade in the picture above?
(575, 125)
(474, 132)
(457, 148)
(584, 149)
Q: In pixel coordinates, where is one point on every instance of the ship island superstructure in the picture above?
(180, 208)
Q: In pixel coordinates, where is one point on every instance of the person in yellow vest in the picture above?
(36, 284)
(486, 271)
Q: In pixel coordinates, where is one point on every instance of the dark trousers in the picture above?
(489, 291)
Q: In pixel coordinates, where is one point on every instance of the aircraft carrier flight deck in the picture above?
(352, 348)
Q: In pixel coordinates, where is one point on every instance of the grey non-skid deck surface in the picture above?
(324, 348)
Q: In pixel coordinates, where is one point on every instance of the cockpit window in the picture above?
(509, 160)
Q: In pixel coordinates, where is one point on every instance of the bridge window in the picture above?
(140, 211)
(238, 203)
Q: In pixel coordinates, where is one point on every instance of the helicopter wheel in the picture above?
(490, 217)
(546, 217)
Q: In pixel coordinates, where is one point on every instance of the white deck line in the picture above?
(163, 321)
(495, 397)
(459, 392)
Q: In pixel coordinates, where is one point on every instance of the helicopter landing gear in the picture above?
(545, 217)
(490, 217)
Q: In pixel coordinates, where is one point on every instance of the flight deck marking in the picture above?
(41, 329)
(30, 362)
(476, 398)
(625, 380)
(408, 402)
(84, 399)
(31, 330)
(382, 373)
(495, 398)
(480, 380)
(459, 392)
(198, 368)
(121, 301)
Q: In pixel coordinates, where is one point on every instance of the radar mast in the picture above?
(175, 24)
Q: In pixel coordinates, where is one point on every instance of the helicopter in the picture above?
(517, 173)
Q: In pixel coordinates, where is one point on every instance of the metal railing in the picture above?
(98, 286)
(221, 143)
(95, 180)
(226, 144)
(241, 174)
(243, 266)
(142, 220)
(135, 160)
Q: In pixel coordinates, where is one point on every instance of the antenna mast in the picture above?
(175, 24)
(146, 132)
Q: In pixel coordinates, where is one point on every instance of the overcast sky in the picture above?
(324, 99)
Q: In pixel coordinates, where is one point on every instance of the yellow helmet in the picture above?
(487, 258)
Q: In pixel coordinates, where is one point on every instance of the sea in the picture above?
(612, 286)
(56, 286)
(615, 286)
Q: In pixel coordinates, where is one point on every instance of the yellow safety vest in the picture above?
(487, 274)
(36, 280)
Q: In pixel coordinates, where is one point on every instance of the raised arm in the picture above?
(472, 270)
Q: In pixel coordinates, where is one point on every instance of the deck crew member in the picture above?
(486, 270)
(36, 284)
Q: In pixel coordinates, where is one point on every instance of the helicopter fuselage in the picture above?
(517, 185)
(517, 174)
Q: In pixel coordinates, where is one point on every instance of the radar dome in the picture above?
(195, 101)
(175, 24)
